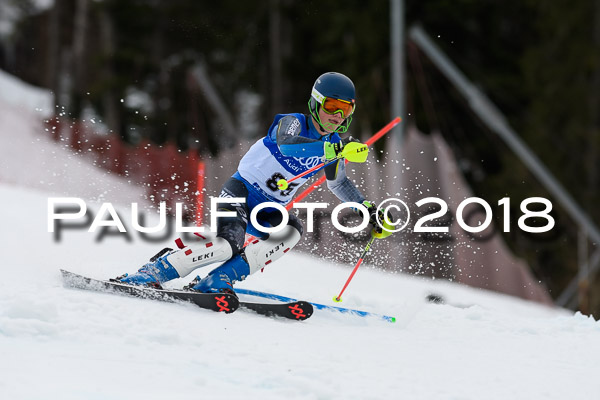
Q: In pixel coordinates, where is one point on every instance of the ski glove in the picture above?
(333, 150)
(372, 210)
(349, 139)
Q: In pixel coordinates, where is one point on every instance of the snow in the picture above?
(18, 93)
(57, 342)
(28, 157)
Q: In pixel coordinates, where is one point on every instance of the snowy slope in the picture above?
(69, 344)
(29, 158)
(20, 94)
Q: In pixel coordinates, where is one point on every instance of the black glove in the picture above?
(349, 139)
(373, 215)
(380, 220)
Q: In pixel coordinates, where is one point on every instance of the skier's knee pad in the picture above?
(296, 223)
(263, 252)
(199, 254)
(233, 228)
(235, 233)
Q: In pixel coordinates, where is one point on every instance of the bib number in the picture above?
(272, 184)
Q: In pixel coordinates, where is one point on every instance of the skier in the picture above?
(294, 143)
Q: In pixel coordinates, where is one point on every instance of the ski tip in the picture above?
(302, 310)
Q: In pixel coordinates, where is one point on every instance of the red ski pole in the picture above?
(369, 142)
(283, 184)
(383, 131)
(320, 181)
(338, 298)
(353, 151)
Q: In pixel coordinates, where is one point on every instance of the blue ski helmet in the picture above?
(333, 85)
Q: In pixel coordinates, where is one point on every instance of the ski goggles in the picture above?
(333, 106)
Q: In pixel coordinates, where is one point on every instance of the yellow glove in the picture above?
(332, 150)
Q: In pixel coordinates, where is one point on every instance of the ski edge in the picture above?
(227, 304)
(294, 310)
(317, 306)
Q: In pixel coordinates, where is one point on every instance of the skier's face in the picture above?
(330, 122)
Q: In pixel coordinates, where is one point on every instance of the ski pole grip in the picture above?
(282, 184)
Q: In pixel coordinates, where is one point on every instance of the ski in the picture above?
(317, 306)
(221, 302)
(297, 310)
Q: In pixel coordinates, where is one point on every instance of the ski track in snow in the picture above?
(60, 343)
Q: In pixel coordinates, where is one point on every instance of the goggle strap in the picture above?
(317, 96)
